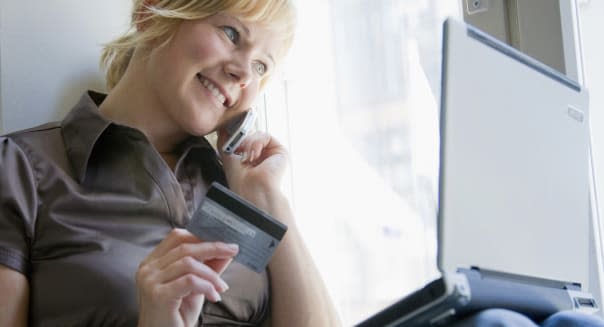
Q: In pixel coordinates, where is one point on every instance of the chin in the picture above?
(200, 124)
(200, 129)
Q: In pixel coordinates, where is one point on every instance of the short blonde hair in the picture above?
(161, 17)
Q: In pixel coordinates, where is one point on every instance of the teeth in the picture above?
(221, 98)
(210, 86)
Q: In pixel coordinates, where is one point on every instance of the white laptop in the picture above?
(514, 188)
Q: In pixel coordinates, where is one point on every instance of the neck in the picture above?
(131, 103)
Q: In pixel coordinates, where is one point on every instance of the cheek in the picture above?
(207, 48)
(249, 95)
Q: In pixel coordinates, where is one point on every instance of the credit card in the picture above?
(226, 217)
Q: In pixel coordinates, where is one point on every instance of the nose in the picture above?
(239, 70)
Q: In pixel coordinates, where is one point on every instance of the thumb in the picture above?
(228, 160)
(222, 138)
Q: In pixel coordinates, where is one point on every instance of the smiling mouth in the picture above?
(213, 89)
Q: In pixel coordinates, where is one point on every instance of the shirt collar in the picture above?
(81, 129)
(84, 125)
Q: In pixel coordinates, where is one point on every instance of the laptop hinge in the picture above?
(486, 273)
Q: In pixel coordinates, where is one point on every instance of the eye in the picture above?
(260, 68)
(231, 33)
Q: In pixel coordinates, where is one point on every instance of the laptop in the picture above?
(513, 220)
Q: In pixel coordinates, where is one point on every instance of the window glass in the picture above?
(591, 24)
(358, 111)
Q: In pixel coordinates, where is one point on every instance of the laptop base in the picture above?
(455, 296)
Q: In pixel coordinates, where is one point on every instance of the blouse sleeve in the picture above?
(18, 205)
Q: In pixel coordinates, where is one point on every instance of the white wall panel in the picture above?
(49, 54)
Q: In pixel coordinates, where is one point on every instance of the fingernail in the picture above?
(233, 247)
(253, 155)
(217, 297)
(223, 286)
(244, 157)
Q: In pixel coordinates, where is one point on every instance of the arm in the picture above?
(14, 298)
(298, 293)
(299, 297)
(18, 205)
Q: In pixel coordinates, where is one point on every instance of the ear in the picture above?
(142, 13)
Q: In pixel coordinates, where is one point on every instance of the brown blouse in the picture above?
(84, 200)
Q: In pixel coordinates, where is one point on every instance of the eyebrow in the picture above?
(247, 32)
(241, 24)
(270, 56)
(237, 20)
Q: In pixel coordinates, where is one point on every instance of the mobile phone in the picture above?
(238, 129)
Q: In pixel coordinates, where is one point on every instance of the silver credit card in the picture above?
(224, 216)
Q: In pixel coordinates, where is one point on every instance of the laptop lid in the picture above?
(514, 162)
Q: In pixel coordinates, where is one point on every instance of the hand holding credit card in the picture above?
(224, 216)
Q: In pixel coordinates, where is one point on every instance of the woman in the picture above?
(93, 207)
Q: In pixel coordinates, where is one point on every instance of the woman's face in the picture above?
(210, 71)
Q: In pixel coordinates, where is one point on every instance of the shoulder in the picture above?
(34, 134)
(40, 144)
(35, 137)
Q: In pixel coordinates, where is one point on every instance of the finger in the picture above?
(253, 151)
(202, 252)
(269, 148)
(218, 265)
(253, 146)
(176, 237)
(189, 265)
(184, 286)
(222, 138)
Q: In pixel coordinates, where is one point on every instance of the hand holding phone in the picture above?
(238, 129)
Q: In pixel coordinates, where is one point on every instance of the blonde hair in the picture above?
(161, 17)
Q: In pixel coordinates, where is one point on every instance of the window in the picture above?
(358, 109)
(590, 17)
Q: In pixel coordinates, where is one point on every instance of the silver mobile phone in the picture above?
(238, 129)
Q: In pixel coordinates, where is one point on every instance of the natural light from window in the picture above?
(360, 95)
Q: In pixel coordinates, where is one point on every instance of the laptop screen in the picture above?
(514, 162)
